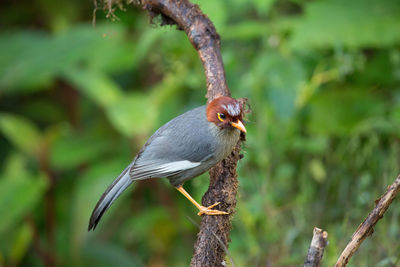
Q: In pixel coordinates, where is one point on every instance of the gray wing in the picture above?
(181, 144)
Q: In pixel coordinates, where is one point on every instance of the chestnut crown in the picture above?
(226, 112)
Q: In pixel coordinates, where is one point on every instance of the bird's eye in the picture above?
(221, 116)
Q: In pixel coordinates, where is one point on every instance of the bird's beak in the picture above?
(239, 125)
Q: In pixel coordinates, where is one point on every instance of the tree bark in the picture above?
(212, 240)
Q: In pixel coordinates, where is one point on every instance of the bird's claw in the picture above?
(208, 210)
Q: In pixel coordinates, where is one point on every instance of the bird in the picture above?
(183, 148)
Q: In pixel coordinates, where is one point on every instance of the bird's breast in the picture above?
(226, 139)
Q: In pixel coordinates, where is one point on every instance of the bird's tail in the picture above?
(109, 196)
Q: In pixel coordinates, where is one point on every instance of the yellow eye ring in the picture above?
(221, 116)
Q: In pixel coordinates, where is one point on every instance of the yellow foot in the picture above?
(208, 210)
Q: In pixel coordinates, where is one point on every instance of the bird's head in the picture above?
(226, 112)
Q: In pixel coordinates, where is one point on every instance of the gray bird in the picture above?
(182, 149)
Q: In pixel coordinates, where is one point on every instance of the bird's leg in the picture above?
(202, 210)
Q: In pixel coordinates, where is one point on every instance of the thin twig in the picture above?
(367, 227)
(316, 250)
(94, 13)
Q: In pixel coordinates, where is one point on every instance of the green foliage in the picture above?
(31, 60)
(357, 24)
(77, 102)
(20, 194)
(21, 132)
(71, 149)
(341, 112)
(18, 197)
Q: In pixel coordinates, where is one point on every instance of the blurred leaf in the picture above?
(357, 23)
(246, 30)
(308, 89)
(73, 150)
(146, 42)
(283, 78)
(263, 6)
(313, 145)
(250, 29)
(97, 86)
(43, 111)
(340, 111)
(21, 243)
(317, 170)
(27, 68)
(113, 51)
(133, 114)
(107, 254)
(15, 166)
(21, 132)
(18, 197)
(379, 70)
(12, 44)
(149, 224)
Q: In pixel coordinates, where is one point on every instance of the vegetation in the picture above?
(77, 102)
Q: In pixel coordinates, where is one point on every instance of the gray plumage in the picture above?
(183, 148)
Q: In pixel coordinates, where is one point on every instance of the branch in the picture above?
(316, 250)
(367, 227)
(213, 238)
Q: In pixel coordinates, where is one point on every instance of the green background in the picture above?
(77, 102)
